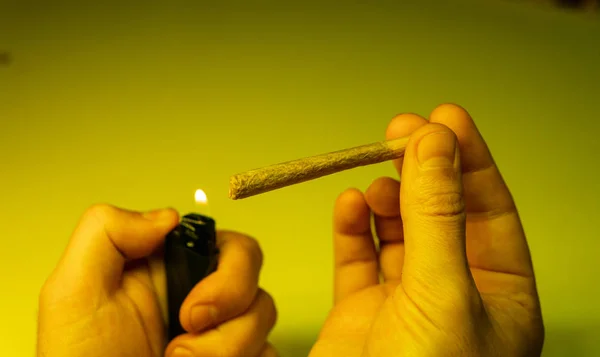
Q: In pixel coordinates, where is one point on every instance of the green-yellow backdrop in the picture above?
(140, 103)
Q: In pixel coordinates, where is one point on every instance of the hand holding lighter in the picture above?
(191, 254)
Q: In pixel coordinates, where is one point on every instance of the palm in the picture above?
(507, 288)
(508, 296)
(140, 303)
(129, 322)
(349, 323)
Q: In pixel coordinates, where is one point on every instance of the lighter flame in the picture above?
(200, 197)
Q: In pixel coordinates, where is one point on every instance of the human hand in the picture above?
(107, 295)
(452, 274)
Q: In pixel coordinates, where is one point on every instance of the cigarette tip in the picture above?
(232, 188)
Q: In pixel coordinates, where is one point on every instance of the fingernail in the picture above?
(202, 316)
(437, 150)
(157, 214)
(181, 352)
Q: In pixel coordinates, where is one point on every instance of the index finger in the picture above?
(230, 290)
(105, 238)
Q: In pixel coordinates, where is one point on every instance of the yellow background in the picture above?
(139, 105)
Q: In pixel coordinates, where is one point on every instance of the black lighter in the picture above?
(191, 254)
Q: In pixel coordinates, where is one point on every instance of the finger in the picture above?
(356, 265)
(240, 337)
(400, 126)
(106, 238)
(432, 209)
(230, 290)
(383, 197)
(488, 195)
(487, 198)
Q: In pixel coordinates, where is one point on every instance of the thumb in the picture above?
(105, 238)
(433, 212)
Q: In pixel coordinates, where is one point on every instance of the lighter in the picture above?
(191, 254)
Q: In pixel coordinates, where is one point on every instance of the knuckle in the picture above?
(99, 212)
(442, 205)
(252, 247)
(438, 197)
(269, 308)
(451, 107)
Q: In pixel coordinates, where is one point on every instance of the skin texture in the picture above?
(447, 270)
(107, 295)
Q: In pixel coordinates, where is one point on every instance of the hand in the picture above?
(452, 275)
(107, 296)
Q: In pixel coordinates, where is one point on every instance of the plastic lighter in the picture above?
(191, 254)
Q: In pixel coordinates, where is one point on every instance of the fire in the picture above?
(200, 197)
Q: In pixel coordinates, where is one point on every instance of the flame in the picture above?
(200, 197)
